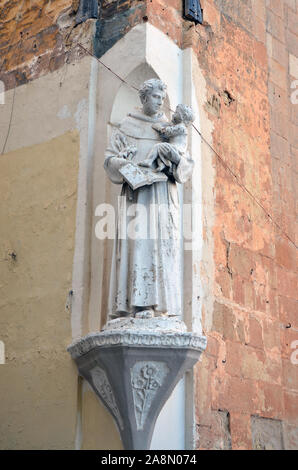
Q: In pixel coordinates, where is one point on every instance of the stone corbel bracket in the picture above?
(134, 369)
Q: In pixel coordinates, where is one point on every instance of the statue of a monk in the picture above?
(146, 269)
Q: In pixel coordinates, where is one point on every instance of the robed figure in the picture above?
(146, 265)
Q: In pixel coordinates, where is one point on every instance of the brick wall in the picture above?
(39, 36)
(247, 386)
(30, 38)
(246, 51)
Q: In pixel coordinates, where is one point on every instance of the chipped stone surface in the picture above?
(138, 338)
(158, 324)
(266, 434)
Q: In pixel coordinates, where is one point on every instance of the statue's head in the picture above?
(184, 114)
(152, 95)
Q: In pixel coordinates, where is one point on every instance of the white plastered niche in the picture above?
(145, 52)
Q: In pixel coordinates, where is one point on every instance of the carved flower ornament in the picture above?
(147, 379)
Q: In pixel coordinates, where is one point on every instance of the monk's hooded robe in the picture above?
(146, 267)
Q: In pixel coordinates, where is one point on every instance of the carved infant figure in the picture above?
(174, 132)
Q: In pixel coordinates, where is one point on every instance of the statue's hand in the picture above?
(131, 152)
(128, 153)
(169, 152)
(123, 154)
(158, 127)
(120, 162)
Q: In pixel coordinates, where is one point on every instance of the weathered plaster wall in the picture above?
(38, 391)
(46, 134)
(98, 430)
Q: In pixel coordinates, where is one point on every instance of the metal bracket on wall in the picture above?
(193, 11)
(87, 9)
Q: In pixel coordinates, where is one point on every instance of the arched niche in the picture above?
(127, 96)
(134, 59)
(125, 100)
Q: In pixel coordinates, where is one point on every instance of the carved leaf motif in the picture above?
(141, 394)
(103, 387)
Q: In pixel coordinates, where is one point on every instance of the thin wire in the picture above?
(10, 121)
(108, 68)
(12, 104)
(222, 161)
(225, 165)
(14, 90)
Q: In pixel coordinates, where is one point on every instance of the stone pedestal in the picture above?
(133, 366)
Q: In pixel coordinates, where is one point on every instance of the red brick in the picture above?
(240, 431)
(238, 290)
(279, 146)
(275, 26)
(292, 43)
(259, 29)
(261, 55)
(271, 400)
(259, 8)
(288, 310)
(278, 74)
(286, 254)
(276, 6)
(235, 394)
(290, 374)
(212, 346)
(272, 335)
(279, 53)
(291, 406)
(292, 4)
(278, 97)
(255, 333)
(293, 22)
(234, 357)
(224, 281)
(289, 336)
(241, 261)
(287, 283)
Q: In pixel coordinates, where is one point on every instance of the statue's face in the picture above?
(177, 118)
(153, 102)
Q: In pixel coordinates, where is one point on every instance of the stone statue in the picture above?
(134, 363)
(148, 156)
(177, 133)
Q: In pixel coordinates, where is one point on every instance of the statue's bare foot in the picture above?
(161, 314)
(160, 168)
(145, 314)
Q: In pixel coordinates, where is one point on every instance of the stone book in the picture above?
(137, 177)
